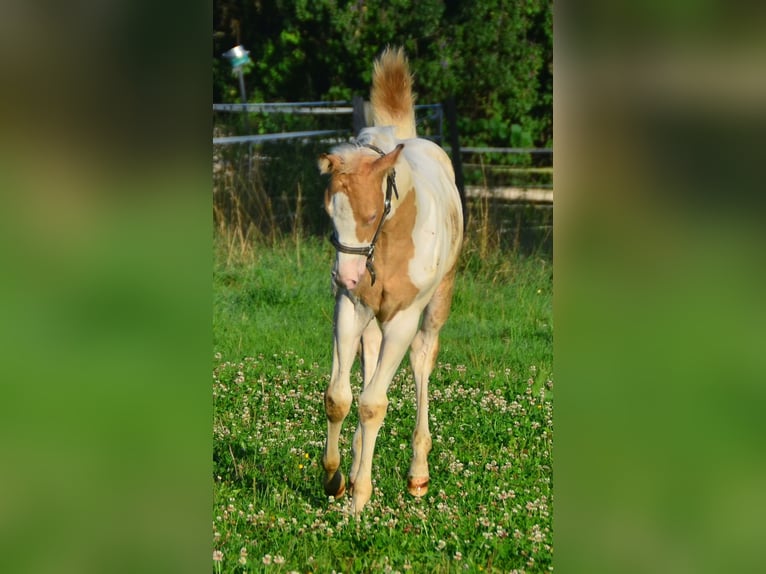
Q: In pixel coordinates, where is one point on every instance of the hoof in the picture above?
(358, 502)
(336, 486)
(418, 486)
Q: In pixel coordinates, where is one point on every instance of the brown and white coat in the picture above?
(405, 301)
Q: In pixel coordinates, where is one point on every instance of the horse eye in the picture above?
(371, 219)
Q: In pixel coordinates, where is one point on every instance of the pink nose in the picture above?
(345, 281)
(349, 272)
(349, 283)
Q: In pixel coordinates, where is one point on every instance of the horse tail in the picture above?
(393, 103)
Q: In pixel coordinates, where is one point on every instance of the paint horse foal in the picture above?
(398, 232)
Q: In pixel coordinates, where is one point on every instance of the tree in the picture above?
(494, 56)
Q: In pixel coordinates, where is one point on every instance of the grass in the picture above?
(489, 507)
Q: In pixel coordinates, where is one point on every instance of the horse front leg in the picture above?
(373, 402)
(371, 339)
(350, 320)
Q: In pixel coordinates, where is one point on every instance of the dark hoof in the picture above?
(336, 486)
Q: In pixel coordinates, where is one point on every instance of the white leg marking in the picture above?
(422, 357)
(397, 335)
(350, 320)
(371, 340)
(425, 347)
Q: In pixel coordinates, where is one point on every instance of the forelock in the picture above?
(351, 154)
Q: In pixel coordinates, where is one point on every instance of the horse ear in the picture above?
(387, 161)
(328, 163)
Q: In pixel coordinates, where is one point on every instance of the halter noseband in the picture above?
(369, 250)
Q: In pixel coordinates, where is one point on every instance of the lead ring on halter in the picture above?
(369, 250)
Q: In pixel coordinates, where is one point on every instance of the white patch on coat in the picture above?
(437, 203)
(347, 266)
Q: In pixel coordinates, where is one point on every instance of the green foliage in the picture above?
(494, 56)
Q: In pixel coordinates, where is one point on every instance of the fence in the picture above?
(434, 117)
(514, 186)
(356, 108)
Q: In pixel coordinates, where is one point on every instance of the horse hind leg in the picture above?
(422, 355)
(423, 352)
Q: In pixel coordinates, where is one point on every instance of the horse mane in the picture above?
(351, 153)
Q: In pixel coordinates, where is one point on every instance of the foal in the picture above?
(398, 229)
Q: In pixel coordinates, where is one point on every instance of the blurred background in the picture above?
(105, 175)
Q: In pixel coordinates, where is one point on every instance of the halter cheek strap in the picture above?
(369, 250)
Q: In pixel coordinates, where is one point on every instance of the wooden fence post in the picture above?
(454, 142)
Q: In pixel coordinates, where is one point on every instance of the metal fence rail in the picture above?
(224, 140)
(540, 150)
(308, 108)
(339, 107)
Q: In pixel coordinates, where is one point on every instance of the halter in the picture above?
(369, 250)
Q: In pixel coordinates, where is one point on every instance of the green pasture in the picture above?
(490, 505)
